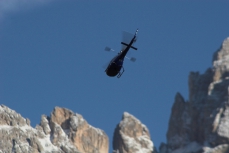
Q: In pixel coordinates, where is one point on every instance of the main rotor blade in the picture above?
(126, 38)
(132, 59)
(109, 49)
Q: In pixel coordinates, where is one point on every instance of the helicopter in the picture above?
(115, 67)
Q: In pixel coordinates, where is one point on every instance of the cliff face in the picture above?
(67, 132)
(201, 124)
(62, 132)
(131, 136)
(84, 137)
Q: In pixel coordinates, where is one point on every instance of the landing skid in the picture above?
(120, 73)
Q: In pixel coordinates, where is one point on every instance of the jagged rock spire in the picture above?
(131, 136)
(201, 124)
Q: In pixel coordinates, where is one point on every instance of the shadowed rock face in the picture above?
(201, 124)
(63, 132)
(131, 136)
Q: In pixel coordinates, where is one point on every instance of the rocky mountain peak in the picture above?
(11, 118)
(131, 136)
(62, 132)
(201, 124)
(67, 132)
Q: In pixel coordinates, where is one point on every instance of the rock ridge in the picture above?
(201, 124)
(63, 132)
(67, 132)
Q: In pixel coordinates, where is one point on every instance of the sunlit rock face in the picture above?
(16, 134)
(62, 132)
(201, 124)
(67, 132)
(85, 137)
(221, 62)
(131, 136)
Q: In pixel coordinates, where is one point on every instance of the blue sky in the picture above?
(52, 54)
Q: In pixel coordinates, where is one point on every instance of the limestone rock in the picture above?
(18, 136)
(201, 124)
(219, 149)
(84, 137)
(131, 136)
(10, 117)
(63, 132)
(221, 61)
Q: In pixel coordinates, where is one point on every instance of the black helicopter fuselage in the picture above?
(116, 64)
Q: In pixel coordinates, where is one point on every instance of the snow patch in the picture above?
(5, 127)
(126, 119)
(1, 109)
(223, 61)
(76, 121)
(145, 139)
(25, 128)
(47, 145)
(133, 144)
(126, 115)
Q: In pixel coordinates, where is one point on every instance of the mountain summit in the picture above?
(201, 124)
(131, 136)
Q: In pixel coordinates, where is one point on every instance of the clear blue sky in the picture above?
(52, 55)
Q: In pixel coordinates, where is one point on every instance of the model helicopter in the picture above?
(115, 66)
